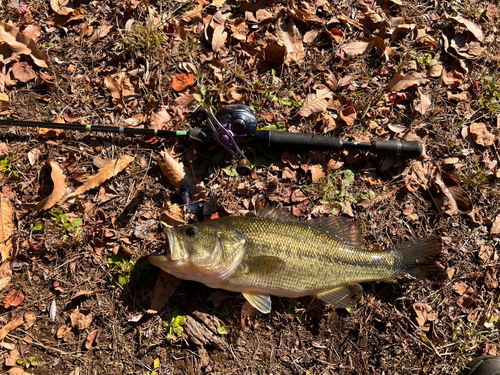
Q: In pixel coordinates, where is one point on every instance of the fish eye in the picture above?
(190, 231)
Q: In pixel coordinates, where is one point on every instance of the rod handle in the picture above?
(405, 149)
(296, 141)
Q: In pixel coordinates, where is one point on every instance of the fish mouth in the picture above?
(178, 249)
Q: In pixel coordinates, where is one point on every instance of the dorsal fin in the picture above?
(277, 214)
(344, 229)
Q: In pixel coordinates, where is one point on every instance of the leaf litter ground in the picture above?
(81, 212)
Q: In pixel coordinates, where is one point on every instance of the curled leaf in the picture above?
(458, 199)
(111, 169)
(59, 181)
(178, 175)
(6, 227)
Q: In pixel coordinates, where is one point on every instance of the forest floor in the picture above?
(81, 212)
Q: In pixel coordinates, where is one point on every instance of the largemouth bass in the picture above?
(276, 254)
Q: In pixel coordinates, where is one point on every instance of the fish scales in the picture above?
(310, 255)
(275, 254)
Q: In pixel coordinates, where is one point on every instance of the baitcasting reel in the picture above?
(227, 125)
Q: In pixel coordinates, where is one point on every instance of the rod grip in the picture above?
(405, 149)
(296, 141)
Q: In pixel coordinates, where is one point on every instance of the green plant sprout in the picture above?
(123, 267)
(173, 328)
(425, 59)
(7, 168)
(73, 228)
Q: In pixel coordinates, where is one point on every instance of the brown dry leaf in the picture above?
(458, 199)
(315, 103)
(435, 71)
(32, 31)
(480, 134)
(400, 82)
(461, 288)
(458, 97)
(495, 228)
(491, 278)
(172, 215)
(165, 287)
(92, 339)
(159, 119)
(13, 299)
(357, 48)
(22, 44)
(236, 94)
(17, 371)
(6, 227)
(248, 314)
(290, 38)
(114, 84)
(81, 321)
(11, 358)
(219, 39)
(492, 13)
(30, 319)
(63, 331)
(424, 313)
(23, 72)
(452, 78)
(423, 103)
(4, 101)
(471, 26)
(240, 29)
(62, 7)
(111, 169)
(348, 115)
(185, 100)
(59, 181)
(178, 175)
(11, 326)
(193, 15)
(181, 82)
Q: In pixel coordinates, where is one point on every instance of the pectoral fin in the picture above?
(261, 302)
(343, 296)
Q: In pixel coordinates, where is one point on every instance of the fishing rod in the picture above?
(237, 123)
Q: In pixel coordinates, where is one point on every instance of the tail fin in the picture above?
(418, 258)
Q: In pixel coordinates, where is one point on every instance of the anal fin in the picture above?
(343, 296)
(261, 302)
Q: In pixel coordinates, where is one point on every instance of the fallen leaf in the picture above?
(435, 71)
(165, 287)
(62, 7)
(480, 134)
(315, 102)
(181, 82)
(424, 313)
(178, 175)
(114, 84)
(11, 326)
(13, 299)
(290, 38)
(357, 48)
(59, 181)
(461, 288)
(400, 82)
(219, 39)
(193, 15)
(91, 340)
(248, 314)
(6, 227)
(348, 115)
(30, 319)
(495, 228)
(17, 371)
(452, 78)
(22, 44)
(111, 169)
(63, 331)
(218, 296)
(23, 72)
(11, 358)
(81, 321)
(471, 26)
(423, 103)
(492, 13)
(491, 278)
(160, 119)
(172, 215)
(458, 199)
(4, 101)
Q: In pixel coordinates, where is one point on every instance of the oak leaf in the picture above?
(400, 82)
(111, 169)
(315, 102)
(59, 181)
(6, 227)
